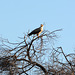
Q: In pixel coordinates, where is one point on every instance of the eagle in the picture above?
(37, 31)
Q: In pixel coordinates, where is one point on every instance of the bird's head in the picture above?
(41, 25)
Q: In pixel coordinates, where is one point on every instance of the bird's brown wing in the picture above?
(36, 31)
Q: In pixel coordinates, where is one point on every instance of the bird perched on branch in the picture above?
(37, 31)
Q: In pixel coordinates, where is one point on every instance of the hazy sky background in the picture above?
(19, 16)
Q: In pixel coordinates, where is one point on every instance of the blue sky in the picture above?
(19, 16)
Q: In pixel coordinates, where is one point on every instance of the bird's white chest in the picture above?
(41, 29)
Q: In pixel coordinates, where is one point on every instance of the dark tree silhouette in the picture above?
(33, 55)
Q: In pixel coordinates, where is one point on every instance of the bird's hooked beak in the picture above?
(41, 25)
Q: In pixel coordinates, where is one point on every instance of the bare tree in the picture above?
(34, 55)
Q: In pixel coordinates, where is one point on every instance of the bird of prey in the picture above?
(37, 31)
